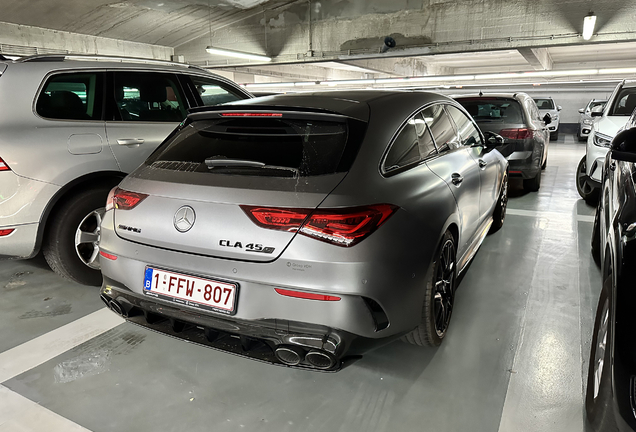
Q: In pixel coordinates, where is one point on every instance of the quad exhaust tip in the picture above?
(289, 355)
(320, 359)
(116, 307)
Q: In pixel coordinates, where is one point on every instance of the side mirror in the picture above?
(559, 107)
(494, 139)
(581, 110)
(547, 118)
(597, 111)
(624, 146)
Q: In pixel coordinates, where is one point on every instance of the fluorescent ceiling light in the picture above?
(269, 85)
(588, 26)
(617, 71)
(391, 80)
(350, 82)
(302, 84)
(443, 78)
(237, 54)
(561, 73)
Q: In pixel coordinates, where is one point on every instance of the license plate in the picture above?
(192, 291)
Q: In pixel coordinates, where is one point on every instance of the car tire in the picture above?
(73, 230)
(598, 394)
(554, 135)
(596, 238)
(499, 214)
(439, 297)
(533, 184)
(545, 163)
(587, 192)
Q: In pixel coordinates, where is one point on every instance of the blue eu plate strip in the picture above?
(148, 279)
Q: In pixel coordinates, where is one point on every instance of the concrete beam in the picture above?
(28, 40)
(539, 58)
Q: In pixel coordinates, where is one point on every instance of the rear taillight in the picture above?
(4, 166)
(517, 134)
(123, 200)
(6, 232)
(342, 227)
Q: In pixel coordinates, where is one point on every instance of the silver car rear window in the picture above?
(494, 110)
(256, 146)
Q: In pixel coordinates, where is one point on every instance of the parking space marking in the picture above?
(549, 215)
(41, 349)
(18, 413)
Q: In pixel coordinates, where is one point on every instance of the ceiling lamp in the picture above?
(588, 25)
(237, 54)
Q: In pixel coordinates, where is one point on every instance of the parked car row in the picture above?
(611, 383)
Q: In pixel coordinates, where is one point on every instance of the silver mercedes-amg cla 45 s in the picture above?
(305, 229)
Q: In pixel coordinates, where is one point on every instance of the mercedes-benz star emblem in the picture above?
(184, 219)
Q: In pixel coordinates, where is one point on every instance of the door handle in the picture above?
(130, 141)
(456, 179)
(482, 163)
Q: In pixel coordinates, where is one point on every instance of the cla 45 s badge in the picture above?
(250, 247)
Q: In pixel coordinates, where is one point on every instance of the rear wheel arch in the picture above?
(80, 184)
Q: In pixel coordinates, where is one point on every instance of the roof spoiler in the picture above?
(200, 113)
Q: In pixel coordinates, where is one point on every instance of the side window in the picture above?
(212, 92)
(149, 97)
(72, 96)
(468, 133)
(426, 143)
(441, 127)
(405, 148)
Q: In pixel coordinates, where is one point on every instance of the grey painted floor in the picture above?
(514, 359)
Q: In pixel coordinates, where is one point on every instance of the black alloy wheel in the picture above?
(439, 296)
(598, 395)
(585, 190)
(444, 294)
(499, 214)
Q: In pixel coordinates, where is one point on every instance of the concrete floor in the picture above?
(515, 357)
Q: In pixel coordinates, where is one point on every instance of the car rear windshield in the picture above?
(493, 110)
(275, 147)
(544, 104)
(625, 102)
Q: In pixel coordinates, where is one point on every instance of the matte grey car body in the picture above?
(586, 120)
(430, 191)
(516, 118)
(70, 129)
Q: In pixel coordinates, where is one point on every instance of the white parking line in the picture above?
(549, 215)
(19, 414)
(41, 349)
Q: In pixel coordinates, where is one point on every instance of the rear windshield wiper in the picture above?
(215, 162)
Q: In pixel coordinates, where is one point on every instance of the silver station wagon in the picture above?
(303, 230)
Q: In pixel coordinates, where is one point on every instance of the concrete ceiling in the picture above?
(332, 39)
(158, 22)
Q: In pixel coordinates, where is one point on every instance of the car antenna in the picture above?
(480, 93)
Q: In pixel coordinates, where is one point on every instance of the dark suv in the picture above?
(516, 118)
(70, 130)
(611, 385)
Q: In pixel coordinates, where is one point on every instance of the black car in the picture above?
(516, 118)
(611, 385)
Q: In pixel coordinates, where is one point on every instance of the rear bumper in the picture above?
(255, 339)
(20, 243)
(524, 164)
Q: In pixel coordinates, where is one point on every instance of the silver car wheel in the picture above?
(87, 238)
(581, 177)
(599, 355)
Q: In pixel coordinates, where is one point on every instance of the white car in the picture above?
(547, 106)
(608, 121)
